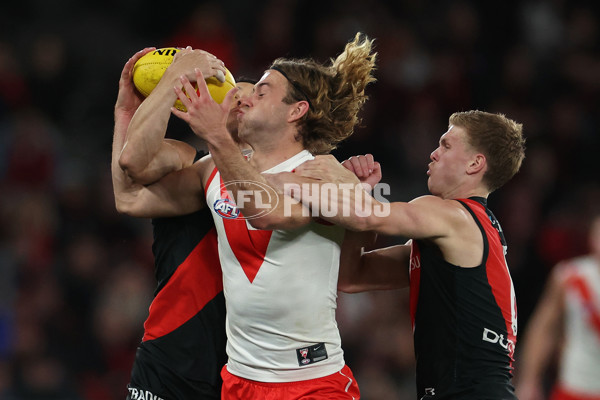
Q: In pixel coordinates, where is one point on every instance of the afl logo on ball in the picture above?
(226, 209)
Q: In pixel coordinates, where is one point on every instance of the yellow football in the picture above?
(149, 69)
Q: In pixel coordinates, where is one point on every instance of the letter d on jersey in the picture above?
(493, 337)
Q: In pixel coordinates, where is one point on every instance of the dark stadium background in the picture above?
(76, 277)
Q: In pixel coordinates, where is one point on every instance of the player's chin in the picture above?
(232, 125)
(431, 187)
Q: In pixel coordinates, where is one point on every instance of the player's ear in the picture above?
(298, 110)
(476, 164)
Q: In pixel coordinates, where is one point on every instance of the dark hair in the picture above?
(246, 79)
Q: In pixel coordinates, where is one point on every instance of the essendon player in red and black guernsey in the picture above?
(464, 319)
(462, 299)
(183, 348)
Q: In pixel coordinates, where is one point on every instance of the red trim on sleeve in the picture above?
(210, 178)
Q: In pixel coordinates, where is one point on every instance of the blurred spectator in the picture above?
(13, 88)
(207, 28)
(564, 332)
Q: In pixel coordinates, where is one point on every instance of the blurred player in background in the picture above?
(566, 323)
(462, 299)
(280, 268)
(183, 347)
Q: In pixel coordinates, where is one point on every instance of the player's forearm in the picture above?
(229, 160)
(409, 220)
(121, 182)
(258, 200)
(351, 207)
(351, 261)
(241, 180)
(380, 269)
(144, 157)
(122, 120)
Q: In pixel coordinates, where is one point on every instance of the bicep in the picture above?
(146, 168)
(184, 151)
(424, 217)
(178, 193)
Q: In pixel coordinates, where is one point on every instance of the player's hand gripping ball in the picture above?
(148, 70)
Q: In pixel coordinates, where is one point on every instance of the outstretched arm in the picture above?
(128, 101)
(424, 217)
(147, 156)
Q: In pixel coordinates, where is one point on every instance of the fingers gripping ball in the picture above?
(149, 69)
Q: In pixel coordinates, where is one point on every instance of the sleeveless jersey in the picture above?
(281, 293)
(183, 348)
(464, 319)
(579, 369)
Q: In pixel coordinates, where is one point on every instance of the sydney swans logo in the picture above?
(235, 195)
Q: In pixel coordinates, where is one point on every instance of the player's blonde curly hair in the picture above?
(335, 93)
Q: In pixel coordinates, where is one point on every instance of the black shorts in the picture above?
(151, 379)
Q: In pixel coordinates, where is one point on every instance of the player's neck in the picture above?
(263, 159)
(269, 153)
(465, 193)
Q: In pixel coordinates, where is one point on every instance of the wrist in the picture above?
(123, 116)
(164, 90)
(366, 187)
(221, 141)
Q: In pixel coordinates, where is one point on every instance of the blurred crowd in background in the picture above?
(76, 278)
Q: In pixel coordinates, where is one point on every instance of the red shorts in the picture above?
(559, 393)
(338, 386)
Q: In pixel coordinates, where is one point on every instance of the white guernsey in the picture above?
(281, 291)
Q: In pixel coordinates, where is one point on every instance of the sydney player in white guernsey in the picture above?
(281, 290)
(570, 304)
(280, 268)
